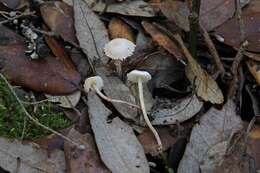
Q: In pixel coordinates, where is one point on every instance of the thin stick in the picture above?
(17, 17)
(34, 120)
(141, 98)
(113, 100)
(212, 49)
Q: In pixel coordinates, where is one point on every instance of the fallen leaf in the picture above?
(210, 136)
(253, 146)
(118, 146)
(230, 29)
(116, 89)
(59, 18)
(235, 159)
(14, 4)
(83, 161)
(162, 39)
(213, 13)
(119, 29)
(254, 68)
(91, 32)
(180, 110)
(128, 8)
(149, 143)
(45, 75)
(28, 158)
(65, 101)
(206, 87)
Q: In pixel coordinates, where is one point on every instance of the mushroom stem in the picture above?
(113, 100)
(141, 98)
(118, 64)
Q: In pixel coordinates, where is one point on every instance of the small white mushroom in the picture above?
(96, 83)
(137, 76)
(118, 50)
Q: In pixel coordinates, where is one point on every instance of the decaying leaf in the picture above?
(118, 146)
(205, 86)
(49, 74)
(83, 161)
(91, 32)
(65, 101)
(213, 13)
(59, 18)
(119, 29)
(253, 146)
(254, 68)
(181, 110)
(149, 143)
(128, 8)
(215, 128)
(162, 39)
(230, 29)
(28, 158)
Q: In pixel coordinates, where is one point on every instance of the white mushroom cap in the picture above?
(90, 82)
(119, 49)
(134, 75)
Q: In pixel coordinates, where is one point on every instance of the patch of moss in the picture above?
(15, 124)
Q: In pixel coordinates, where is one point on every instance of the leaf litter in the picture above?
(53, 51)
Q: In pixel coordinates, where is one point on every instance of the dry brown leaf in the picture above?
(209, 138)
(230, 29)
(181, 110)
(28, 158)
(149, 143)
(119, 29)
(91, 32)
(253, 146)
(213, 13)
(83, 161)
(118, 146)
(50, 74)
(59, 18)
(128, 8)
(205, 86)
(254, 68)
(162, 39)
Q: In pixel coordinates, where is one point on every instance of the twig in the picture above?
(194, 26)
(34, 120)
(239, 55)
(212, 49)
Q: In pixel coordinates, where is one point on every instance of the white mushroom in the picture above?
(118, 50)
(137, 76)
(96, 83)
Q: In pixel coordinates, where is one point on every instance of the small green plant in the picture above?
(15, 124)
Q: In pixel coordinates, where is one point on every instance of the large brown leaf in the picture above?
(212, 12)
(83, 161)
(117, 144)
(230, 30)
(50, 74)
(209, 139)
(59, 18)
(91, 32)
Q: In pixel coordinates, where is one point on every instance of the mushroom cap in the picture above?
(119, 49)
(93, 81)
(134, 75)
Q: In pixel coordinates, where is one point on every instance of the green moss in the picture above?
(15, 124)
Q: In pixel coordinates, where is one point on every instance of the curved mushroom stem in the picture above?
(113, 100)
(141, 98)
(118, 64)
